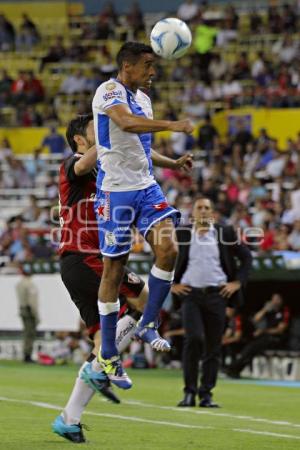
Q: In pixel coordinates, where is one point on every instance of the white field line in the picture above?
(112, 416)
(154, 422)
(212, 413)
(266, 433)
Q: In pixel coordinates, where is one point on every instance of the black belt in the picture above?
(207, 289)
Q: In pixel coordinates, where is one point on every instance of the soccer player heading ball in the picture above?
(128, 195)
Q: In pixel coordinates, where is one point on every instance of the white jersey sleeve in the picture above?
(109, 94)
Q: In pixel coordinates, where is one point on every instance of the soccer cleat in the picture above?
(99, 382)
(71, 432)
(150, 335)
(115, 372)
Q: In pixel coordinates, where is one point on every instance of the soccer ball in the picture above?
(170, 38)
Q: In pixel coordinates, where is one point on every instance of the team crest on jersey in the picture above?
(160, 206)
(103, 210)
(110, 239)
(110, 86)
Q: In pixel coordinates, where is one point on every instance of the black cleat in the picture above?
(72, 433)
(99, 382)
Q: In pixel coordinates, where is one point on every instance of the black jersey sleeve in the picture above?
(69, 168)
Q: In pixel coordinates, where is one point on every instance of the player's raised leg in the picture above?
(161, 239)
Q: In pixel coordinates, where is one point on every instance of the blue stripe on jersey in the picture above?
(103, 131)
(145, 138)
(100, 175)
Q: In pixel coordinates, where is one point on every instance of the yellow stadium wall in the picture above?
(25, 140)
(281, 124)
(36, 10)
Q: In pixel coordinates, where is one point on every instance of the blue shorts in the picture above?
(117, 212)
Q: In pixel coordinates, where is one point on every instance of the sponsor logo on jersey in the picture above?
(112, 94)
(110, 239)
(160, 206)
(110, 86)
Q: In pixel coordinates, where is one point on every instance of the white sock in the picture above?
(96, 366)
(125, 331)
(79, 398)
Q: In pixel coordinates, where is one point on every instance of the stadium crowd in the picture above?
(237, 59)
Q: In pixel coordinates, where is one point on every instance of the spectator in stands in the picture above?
(94, 79)
(188, 11)
(5, 88)
(28, 35)
(286, 48)
(109, 14)
(232, 336)
(16, 175)
(55, 54)
(207, 134)
(34, 90)
(7, 34)
(242, 136)
(36, 165)
(231, 17)
(274, 20)
(270, 324)
(27, 294)
(30, 117)
(231, 87)
(217, 68)
(294, 237)
(5, 149)
(18, 88)
(54, 141)
(241, 68)
(75, 83)
(108, 67)
(135, 20)
(76, 52)
(256, 22)
(204, 41)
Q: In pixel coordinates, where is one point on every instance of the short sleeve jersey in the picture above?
(124, 159)
(79, 231)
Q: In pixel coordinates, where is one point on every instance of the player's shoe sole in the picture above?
(115, 372)
(99, 382)
(150, 335)
(72, 433)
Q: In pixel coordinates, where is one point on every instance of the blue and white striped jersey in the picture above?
(124, 159)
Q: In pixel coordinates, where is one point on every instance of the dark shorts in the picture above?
(81, 274)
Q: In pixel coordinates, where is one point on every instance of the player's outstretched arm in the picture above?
(86, 163)
(185, 162)
(131, 123)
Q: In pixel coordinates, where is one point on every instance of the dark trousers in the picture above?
(253, 348)
(203, 321)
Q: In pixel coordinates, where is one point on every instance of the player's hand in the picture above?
(230, 288)
(185, 162)
(180, 289)
(184, 126)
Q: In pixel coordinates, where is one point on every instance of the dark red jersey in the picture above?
(79, 232)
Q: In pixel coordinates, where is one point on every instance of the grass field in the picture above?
(252, 416)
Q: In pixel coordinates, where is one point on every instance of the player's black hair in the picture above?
(131, 52)
(77, 126)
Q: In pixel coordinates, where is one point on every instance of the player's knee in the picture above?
(167, 255)
(113, 270)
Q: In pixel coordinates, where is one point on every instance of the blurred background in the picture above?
(239, 83)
